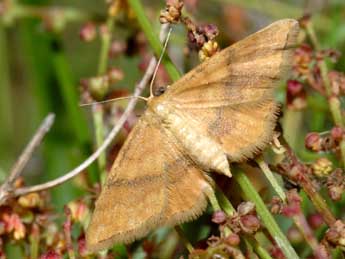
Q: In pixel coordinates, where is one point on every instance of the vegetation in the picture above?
(56, 55)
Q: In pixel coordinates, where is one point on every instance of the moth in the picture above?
(222, 111)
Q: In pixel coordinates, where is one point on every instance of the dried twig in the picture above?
(138, 90)
(7, 187)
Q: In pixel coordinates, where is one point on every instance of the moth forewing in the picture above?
(231, 94)
(151, 184)
(223, 109)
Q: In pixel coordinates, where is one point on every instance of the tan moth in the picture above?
(222, 111)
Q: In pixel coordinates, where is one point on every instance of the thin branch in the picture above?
(138, 90)
(18, 167)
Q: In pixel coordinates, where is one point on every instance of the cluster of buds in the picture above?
(76, 212)
(276, 205)
(244, 220)
(172, 12)
(292, 206)
(336, 184)
(316, 142)
(51, 254)
(335, 235)
(307, 70)
(321, 167)
(293, 170)
(27, 218)
(96, 88)
(219, 248)
(88, 32)
(303, 57)
(315, 220)
(208, 50)
(337, 80)
(117, 47)
(295, 95)
(202, 38)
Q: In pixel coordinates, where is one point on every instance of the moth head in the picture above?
(158, 91)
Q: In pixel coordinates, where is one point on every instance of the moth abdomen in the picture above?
(203, 150)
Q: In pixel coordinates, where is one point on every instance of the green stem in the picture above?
(271, 178)
(153, 39)
(225, 204)
(184, 240)
(97, 114)
(299, 220)
(98, 109)
(106, 40)
(266, 217)
(213, 200)
(34, 241)
(261, 252)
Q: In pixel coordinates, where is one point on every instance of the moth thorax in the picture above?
(162, 110)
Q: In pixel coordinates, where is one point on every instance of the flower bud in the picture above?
(322, 167)
(315, 220)
(337, 133)
(208, 50)
(294, 235)
(313, 141)
(250, 224)
(88, 32)
(246, 208)
(31, 200)
(51, 255)
(98, 87)
(232, 240)
(219, 217)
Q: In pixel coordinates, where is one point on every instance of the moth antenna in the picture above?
(114, 99)
(159, 61)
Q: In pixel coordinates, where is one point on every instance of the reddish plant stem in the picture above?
(298, 173)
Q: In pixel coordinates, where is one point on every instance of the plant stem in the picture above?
(153, 39)
(266, 217)
(299, 219)
(97, 109)
(308, 186)
(262, 253)
(333, 100)
(224, 202)
(106, 40)
(271, 178)
(183, 238)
